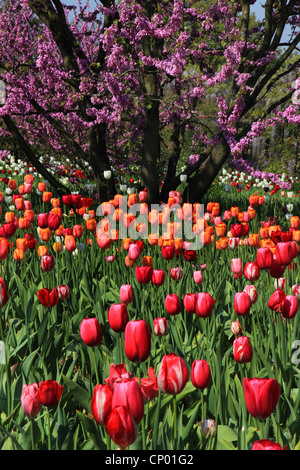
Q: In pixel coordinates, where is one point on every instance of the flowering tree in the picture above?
(125, 81)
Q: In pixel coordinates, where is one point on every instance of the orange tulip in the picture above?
(153, 239)
(24, 223)
(253, 239)
(29, 214)
(114, 235)
(42, 187)
(9, 217)
(234, 211)
(103, 240)
(224, 241)
(70, 243)
(296, 236)
(29, 179)
(132, 199)
(253, 200)
(18, 254)
(42, 250)
(19, 203)
(57, 247)
(147, 261)
(21, 244)
(126, 243)
(295, 222)
(55, 202)
(45, 234)
(47, 196)
(221, 229)
(264, 232)
(129, 262)
(22, 189)
(59, 231)
(91, 225)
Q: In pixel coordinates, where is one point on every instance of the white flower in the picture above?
(107, 174)
(183, 178)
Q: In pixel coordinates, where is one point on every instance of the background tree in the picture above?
(131, 81)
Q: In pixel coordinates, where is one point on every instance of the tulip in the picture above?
(149, 386)
(290, 307)
(190, 302)
(168, 252)
(91, 332)
(252, 292)
(45, 234)
(208, 428)
(126, 293)
(70, 243)
(261, 396)
(236, 328)
(128, 393)
(276, 300)
(63, 292)
(200, 374)
(121, 427)
(242, 303)
(158, 277)
(236, 265)
(173, 304)
(160, 326)
(101, 403)
(43, 220)
(284, 254)
(198, 277)
(176, 273)
(54, 221)
(47, 263)
(134, 251)
(190, 255)
(251, 271)
(296, 290)
(50, 392)
(276, 270)
(137, 340)
(30, 400)
(264, 258)
(118, 317)
(172, 375)
(48, 297)
(266, 444)
(205, 304)
(242, 350)
(279, 283)
(143, 274)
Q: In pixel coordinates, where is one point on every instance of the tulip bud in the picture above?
(198, 277)
(47, 263)
(261, 396)
(101, 403)
(200, 374)
(50, 392)
(172, 375)
(158, 277)
(160, 326)
(236, 328)
(208, 428)
(176, 273)
(242, 303)
(90, 332)
(205, 304)
(118, 317)
(190, 302)
(126, 293)
(172, 304)
(30, 400)
(137, 340)
(242, 350)
(121, 427)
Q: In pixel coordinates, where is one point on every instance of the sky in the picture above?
(257, 8)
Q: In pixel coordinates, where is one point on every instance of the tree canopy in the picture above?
(132, 81)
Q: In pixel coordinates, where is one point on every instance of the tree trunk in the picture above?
(99, 161)
(207, 172)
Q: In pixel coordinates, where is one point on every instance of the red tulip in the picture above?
(190, 302)
(126, 293)
(276, 300)
(168, 251)
(205, 304)
(190, 255)
(284, 253)
(242, 303)
(198, 277)
(236, 328)
(261, 396)
(160, 326)
(54, 221)
(264, 258)
(48, 297)
(290, 307)
(276, 270)
(3, 293)
(43, 220)
(121, 427)
(47, 263)
(149, 386)
(70, 243)
(118, 317)
(137, 340)
(116, 373)
(242, 350)
(50, 392)
(101, 403)
(172, 375)
(30, 400)
(4, 248)
(158, 277)
(200, 374)
(90, 332)
(176, 273)
(128, 393)
(173, 304)
(134, 251)
(143, 274)
(266, 444)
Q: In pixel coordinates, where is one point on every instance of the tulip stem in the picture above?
(95, 366)
(143, 418)
(121, 348)
(175, 422)
(32, 435)
(49, 429)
